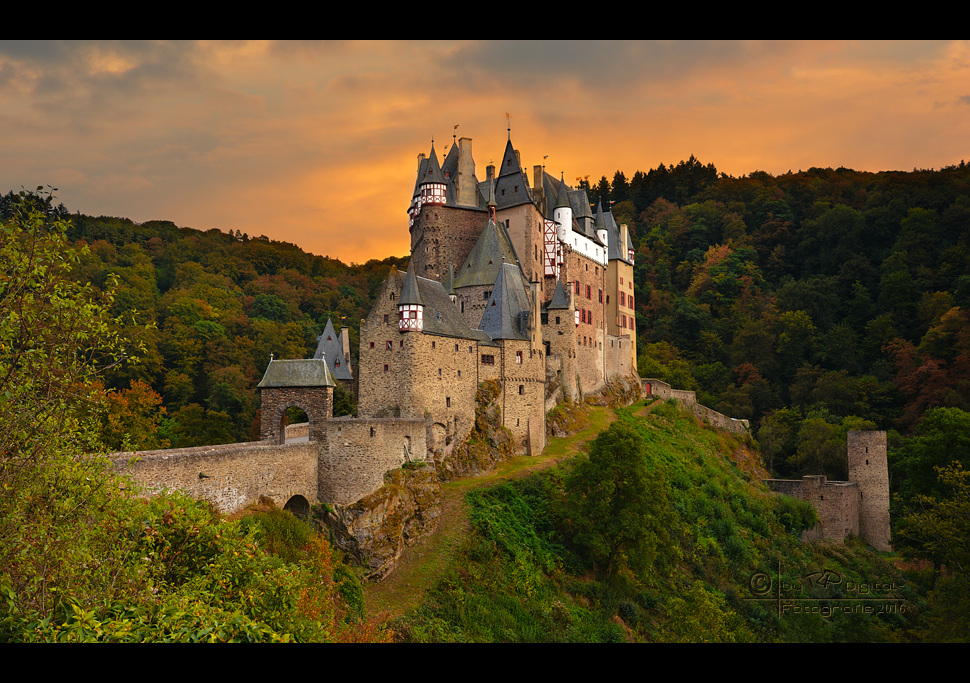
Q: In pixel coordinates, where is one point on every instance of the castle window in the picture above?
(577, 289)
(589, 291)
(372, 431)
(518, 357)
(488, 360)
(601, 296)
(486, 294)
(470, 350)
(372, 344)
(392, 296)
(447, 401)
(432, 345)
(385, 318)
(557, 322)
(401, 344)
(622, 298)
(521, 389)
(459, 373)
(385, 367)
(389, 345)
(439, 372)
(456, 347)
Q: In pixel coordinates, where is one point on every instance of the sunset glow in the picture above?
(315, 143)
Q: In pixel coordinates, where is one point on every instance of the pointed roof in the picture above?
(410, 293)
(330, 349)
(511, 185)
(614, 248)
(562, 200)
(560, 299)
(493, 248)
(302, 372)
(431, 171)
(503, 317)
(441, 316)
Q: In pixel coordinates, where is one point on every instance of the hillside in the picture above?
(520, 575)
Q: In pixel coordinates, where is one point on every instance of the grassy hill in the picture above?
(711, 574)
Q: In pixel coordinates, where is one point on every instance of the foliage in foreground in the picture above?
(82, 557)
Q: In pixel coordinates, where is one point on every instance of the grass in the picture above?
(425, 563)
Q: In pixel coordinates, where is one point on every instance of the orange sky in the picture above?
(316, 142)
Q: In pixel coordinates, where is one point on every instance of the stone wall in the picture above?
(859, 506)
(443, 236)
(360, 451)
(231, 475)
(663, 391)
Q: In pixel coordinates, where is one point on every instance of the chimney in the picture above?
(465, 184)
(420, 159)
(345, 344)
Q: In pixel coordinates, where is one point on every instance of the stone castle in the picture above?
(512, 282)
(518, 284)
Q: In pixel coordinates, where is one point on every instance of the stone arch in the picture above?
(279, 415)
(439, 435)
(299, 506)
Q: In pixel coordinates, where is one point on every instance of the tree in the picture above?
(55, 338)
(616, 505)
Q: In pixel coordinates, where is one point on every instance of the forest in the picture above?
(810, 303)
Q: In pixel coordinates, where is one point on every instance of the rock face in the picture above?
(488, 444)
(376, 529)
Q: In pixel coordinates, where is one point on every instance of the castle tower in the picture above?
(563, 213)
(868, 467)
(410, 307)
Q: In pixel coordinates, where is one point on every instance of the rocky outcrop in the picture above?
(377, 528)
(620, 391)
(488, 444)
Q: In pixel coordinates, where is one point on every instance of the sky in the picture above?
(316, 143)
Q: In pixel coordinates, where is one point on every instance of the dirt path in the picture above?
(425, 562)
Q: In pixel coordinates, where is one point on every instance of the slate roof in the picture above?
(578, 200)
(302, 372)
(560, 299)
(491, 250)
(440, 315)
(512, 185)
(503, 317)
(330, 348)
(613, 237)
(410, 293)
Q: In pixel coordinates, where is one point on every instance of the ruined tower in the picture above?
(868, 467)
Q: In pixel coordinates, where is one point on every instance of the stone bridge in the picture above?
(326, 460)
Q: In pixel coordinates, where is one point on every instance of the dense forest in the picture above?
(810, 303)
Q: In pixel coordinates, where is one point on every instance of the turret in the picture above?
(601, 225)
(432, 186)
(563, 213)
(410, 307)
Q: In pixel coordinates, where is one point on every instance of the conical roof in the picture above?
(560, 299)
(432, 171)
(410, 293)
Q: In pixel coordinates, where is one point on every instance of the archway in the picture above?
(299, 506)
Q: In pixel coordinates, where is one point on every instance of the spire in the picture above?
(410, 293)
(562, 200)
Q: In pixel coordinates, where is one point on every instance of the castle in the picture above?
(517, 283)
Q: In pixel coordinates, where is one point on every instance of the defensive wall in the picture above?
(857, 507)
(662, 390)
(346, 464)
